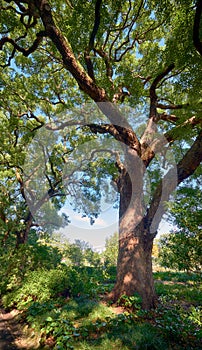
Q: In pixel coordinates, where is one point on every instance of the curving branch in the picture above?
(123, 27)
(91, 45)
(96, 24)
(129, 26)
(16, 47)
(28, 15)
(109, 70)
(122, 134)
(139, 37)
(196, 29)
(192, 159)
(151, 129)
(156, 145)
(152, 91)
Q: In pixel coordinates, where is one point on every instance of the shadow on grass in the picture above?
(89, 324)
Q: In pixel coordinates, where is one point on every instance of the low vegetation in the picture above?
(67, 305)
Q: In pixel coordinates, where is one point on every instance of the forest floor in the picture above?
(14, 337)
(12, 334)
(175, 325)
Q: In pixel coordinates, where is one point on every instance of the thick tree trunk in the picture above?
(134, 268)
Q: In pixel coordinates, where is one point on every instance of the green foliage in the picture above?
(180, 251)
(134, 43)
(172, 286)
(176, 276)
(110, 253)
(176, 323)
(80, 253)
(133, 302)
(43, 284)
(17, 264)
(64, 304)
(186, 210)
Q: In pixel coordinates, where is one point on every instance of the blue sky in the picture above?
(105, 225)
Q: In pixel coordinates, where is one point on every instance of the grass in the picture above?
(87, 323)
(186, 288)
(66, 308)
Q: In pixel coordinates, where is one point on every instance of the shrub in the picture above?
(16, 265)
(42, 284)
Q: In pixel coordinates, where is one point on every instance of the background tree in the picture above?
(182, 249)
(81, 253)
(16, 217)
(110, 253)
(137, 52)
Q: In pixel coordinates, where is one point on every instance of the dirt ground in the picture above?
(12, 336)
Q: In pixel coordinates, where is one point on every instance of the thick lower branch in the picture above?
(124, 135)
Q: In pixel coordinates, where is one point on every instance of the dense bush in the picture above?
(41, 285)
(63, 281)
(17, 264)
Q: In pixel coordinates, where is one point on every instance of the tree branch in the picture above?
(196, 29)
(25, 52)
(192, 159)
(172, 106)
(152, 91)
(92, 40)
(185, 168)
(70, 62)
(180, 129)
(96, 24)
(147, 140)
(124, 135)
(172, 118)
(109, 71)
(156, 145)
(124, 26)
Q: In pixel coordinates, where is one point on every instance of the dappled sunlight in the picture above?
(128, 278)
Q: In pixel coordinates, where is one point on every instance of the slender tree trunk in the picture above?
(22, 236)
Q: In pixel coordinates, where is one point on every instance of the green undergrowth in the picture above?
(83, 323)
(66, 306)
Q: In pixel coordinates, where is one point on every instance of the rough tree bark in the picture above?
(134, 266)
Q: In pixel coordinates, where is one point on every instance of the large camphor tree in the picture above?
(145, 54)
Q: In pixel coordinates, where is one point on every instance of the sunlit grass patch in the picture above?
(100, 311)
(126, 337)
(190, 293)
(103, 344)
(176, 276)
